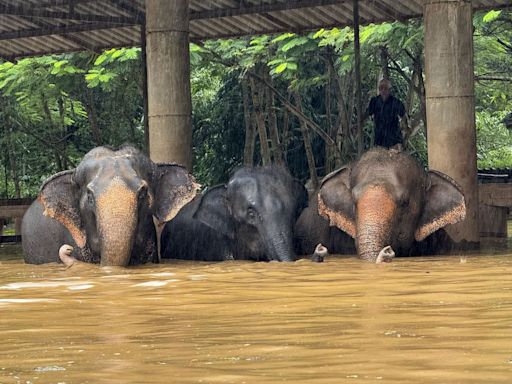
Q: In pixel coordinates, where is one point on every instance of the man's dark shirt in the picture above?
(385, 115)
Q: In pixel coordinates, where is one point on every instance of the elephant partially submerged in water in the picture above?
(250, 218)
(383, 199)
(106, 208)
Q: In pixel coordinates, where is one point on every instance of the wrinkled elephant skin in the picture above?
(249, 218)
(385, 198)
(104, 209)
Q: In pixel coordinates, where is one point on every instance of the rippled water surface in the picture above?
(416, 320)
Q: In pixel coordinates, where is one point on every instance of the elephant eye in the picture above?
(404, 202)
(90, 197)
(143, 193)
(251, 213)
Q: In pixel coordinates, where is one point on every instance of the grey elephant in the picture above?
(250, 218)
(105, 209)
(383, 199)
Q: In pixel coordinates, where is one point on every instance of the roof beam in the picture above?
(76, 40)
(263, 8)
(57, 3)
(386, 11)
(128, 7)
(55, 30)
(31, 12)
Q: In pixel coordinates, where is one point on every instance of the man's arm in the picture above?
(369, 110)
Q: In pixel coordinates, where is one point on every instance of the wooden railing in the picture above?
(13, 209)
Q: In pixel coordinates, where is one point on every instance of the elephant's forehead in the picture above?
(245, 188)
(403, 174)
(102, 171)
(263, 194)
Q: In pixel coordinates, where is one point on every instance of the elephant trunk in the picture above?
(116, 221)
(374, 219)
(280, 246)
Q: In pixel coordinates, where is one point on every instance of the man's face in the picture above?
(384, 90)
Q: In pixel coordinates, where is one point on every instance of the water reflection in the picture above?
(430, 320)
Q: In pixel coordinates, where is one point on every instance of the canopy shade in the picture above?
(38, 27)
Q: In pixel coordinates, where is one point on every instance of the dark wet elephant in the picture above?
(106, 208)
(250, 218)
(385, 198)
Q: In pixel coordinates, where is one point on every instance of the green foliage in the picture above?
(46, 106)
(51, 102)
(491, 16)
(494, 141)
(493, 60)
(218, 126)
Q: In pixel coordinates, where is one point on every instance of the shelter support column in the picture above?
(450, 103)
(168, 78)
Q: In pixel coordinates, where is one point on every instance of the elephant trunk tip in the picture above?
(385, 255)
(287, 258)
(65, 255)
(319, 254)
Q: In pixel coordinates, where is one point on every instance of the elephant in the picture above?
(249, 218)
(106, 209)
(385, 198)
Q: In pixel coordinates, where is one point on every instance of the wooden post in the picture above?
(143, 59)
(357, 55)
(450, 105)
(168, 72)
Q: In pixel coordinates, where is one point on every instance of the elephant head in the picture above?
(108, 203)
(387, 198)
(256, 211)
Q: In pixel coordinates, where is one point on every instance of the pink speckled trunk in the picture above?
(375, 217)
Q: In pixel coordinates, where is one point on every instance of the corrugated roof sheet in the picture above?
(36, 27)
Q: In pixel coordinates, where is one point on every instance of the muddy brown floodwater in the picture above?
(416, 320)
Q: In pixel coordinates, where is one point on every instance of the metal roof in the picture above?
(37, 27)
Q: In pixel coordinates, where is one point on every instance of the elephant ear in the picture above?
(59, 197)
(335, 201)
(173, 188)
(444, 205)
(213, 210)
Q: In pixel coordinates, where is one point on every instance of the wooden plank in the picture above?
(13, 211)
(497, 195)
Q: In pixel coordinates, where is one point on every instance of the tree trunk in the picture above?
(357, 75)
(277, 152)
(250, 131)
(260, 119)
(293, 109)
(93, 120)
(418, 68)
(344, 138)
(286, 131)
(307, 145)
(15, 176)
(384, 62)
(330, 149)
(62, 125)
(14, 167)
(12, 156)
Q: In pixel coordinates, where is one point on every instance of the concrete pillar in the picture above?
(450, 103)
(168, 77)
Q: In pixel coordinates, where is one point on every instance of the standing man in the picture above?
(386, 109)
